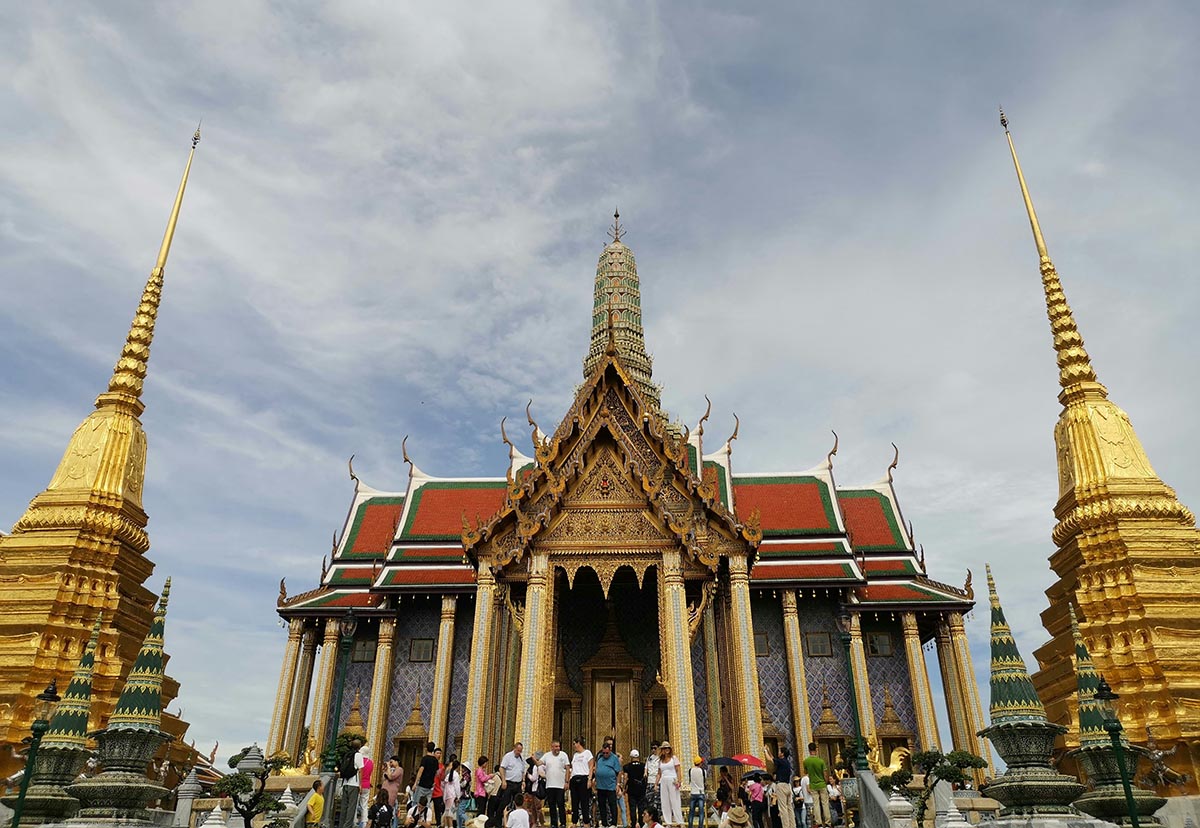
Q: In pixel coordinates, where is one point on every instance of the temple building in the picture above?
(1127, 557)
(625, 579)
(79, 551)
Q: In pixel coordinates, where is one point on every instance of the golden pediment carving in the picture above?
(602, 528)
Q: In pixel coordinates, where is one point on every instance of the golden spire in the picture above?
(130, 371)
(1074, 365)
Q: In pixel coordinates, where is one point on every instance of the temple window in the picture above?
(818, 644)
(762, 647)
(420, 649)
(879, 644)
(364, 650)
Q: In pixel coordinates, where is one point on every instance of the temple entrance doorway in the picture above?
(610, 656)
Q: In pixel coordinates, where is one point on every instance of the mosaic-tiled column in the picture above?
(952, 689)
(381, 691)
(319, 723)
(712, 672)
(748, 713)
(439, 709)
(531, 694)
(287, 681)
(304, 675)
(862, 684)
(802, 724)
(918, 675)
(972, 710)
(482, 649)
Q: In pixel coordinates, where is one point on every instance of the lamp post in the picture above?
(1105, 696)
(347, 625)
(43, 711)
(860, 754)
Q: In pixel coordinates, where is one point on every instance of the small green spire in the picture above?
(69, 726)
(140, 704)
(1091, 713)
(1013, 696)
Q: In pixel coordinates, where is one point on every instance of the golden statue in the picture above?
(896, 761)
(308, 761)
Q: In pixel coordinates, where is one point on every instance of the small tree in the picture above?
(248, 791)
(951, 767)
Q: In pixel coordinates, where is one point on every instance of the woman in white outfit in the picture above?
(668, 785)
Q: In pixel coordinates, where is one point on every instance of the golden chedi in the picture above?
(1126, 555)
(80, 548)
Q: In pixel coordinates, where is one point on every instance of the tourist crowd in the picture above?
(604, 791)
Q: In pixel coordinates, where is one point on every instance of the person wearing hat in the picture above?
(633, 780)
(696, 787)
(668, 784)
(737, 817)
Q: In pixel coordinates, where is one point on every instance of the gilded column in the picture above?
(862, 683)
(283, 693)
(973, 710)
(482, 649)
(319, 724)
(747, 714)
(439, 710)
(712, 671)
(531, 695)
(952, 689)
(802, 724)
(304, 675)
(918, 675)
(381, 691)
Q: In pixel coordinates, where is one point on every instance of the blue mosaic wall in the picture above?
(418, 618)
(464, 621)
(891, 672)
(700, 686)
(818, 615)
(773, 686)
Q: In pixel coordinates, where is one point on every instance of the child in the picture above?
(316, 805)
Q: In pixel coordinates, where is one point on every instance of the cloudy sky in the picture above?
(393, 221)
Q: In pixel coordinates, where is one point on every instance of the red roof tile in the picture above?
(377, 527)
(423, 576)
(803, 572)
(794, 549)
(877, 567)
(899, 593)
(870, 520)
(788, 505)
(437, 508)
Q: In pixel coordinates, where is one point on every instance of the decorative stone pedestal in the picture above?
(1107, 799)
(46, 801)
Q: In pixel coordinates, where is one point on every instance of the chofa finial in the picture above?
(895, 462)
(832, 451)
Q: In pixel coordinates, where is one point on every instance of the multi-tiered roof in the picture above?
(815, 534)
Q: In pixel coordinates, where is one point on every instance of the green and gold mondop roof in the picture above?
(1013, 696)
(69, 726)
(1091, 712)
(140, 704)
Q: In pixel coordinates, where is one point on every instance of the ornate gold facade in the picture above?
(1128, 556)
(80, 548)
(620, 582)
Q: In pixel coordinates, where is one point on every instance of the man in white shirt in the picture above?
(512, 766)
(555, 764)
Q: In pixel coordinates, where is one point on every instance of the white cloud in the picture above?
(393, 218)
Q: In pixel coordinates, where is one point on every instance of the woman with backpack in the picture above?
(381, 813)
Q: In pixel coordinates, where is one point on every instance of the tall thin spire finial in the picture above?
(616, 231)
(1074, 364)
(130, 371)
